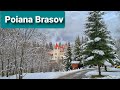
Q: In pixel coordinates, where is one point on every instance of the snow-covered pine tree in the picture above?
(111, 56)
(77, 51)
(68, 58)
(96, 50)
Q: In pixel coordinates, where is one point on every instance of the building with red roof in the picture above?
(58, 53)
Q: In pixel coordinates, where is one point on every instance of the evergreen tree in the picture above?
(77, 51)
(50, 45)
(111, 55)
(97, 50)
(82, 40)
(68, 59)
(60, 44)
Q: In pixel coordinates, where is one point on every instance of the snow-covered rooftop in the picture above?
(75, 62)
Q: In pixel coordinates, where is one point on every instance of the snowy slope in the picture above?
(46, 75)
(113, 73)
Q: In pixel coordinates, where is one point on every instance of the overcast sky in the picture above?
(75, 25)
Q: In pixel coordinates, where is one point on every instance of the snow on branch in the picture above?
(112, 46)
(97, 39)
(100, 52)
(112, 52)
(117, 60)
(83, 46)
(90, 58)
(90, 41)
(110, 40)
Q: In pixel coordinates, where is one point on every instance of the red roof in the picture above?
(56, 46)
(59, 47)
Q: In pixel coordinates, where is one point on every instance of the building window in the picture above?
(61, 57)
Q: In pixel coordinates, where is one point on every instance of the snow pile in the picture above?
(112, 46)
(113, 74)
(97, 39)
(90, 58)
(106, 63)
(90, 73)
(114, 69)
(75, 62)
(47, 75)
(110, 77)
(99, 52)
(41, 75)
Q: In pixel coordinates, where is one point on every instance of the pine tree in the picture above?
(51, 46)
(60, 44)
(68, 59)
(77, 51)
(111, 55)
(82, 41)
(97, 49)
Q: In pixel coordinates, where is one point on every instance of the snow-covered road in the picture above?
(112, 73)
(72, 74)
(76, 75)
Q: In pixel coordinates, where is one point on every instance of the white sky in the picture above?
(75, 22)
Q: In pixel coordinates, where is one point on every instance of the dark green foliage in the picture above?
(68, 59)
(77, 50)
(99, 45)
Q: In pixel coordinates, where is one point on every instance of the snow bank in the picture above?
(88, 74)
(113, 69)
(109, 75)
(46, 75)
(99, 52)
(75, 62)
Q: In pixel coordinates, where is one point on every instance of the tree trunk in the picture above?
(99, 70)
(21, 64)
(105, 68)
(20, 74)
(7, 74)
(2, 68)
(32, 70)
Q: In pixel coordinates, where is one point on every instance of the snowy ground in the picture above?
(113, 73)
(46, 75)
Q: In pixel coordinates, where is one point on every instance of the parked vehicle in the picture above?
(117, 66)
